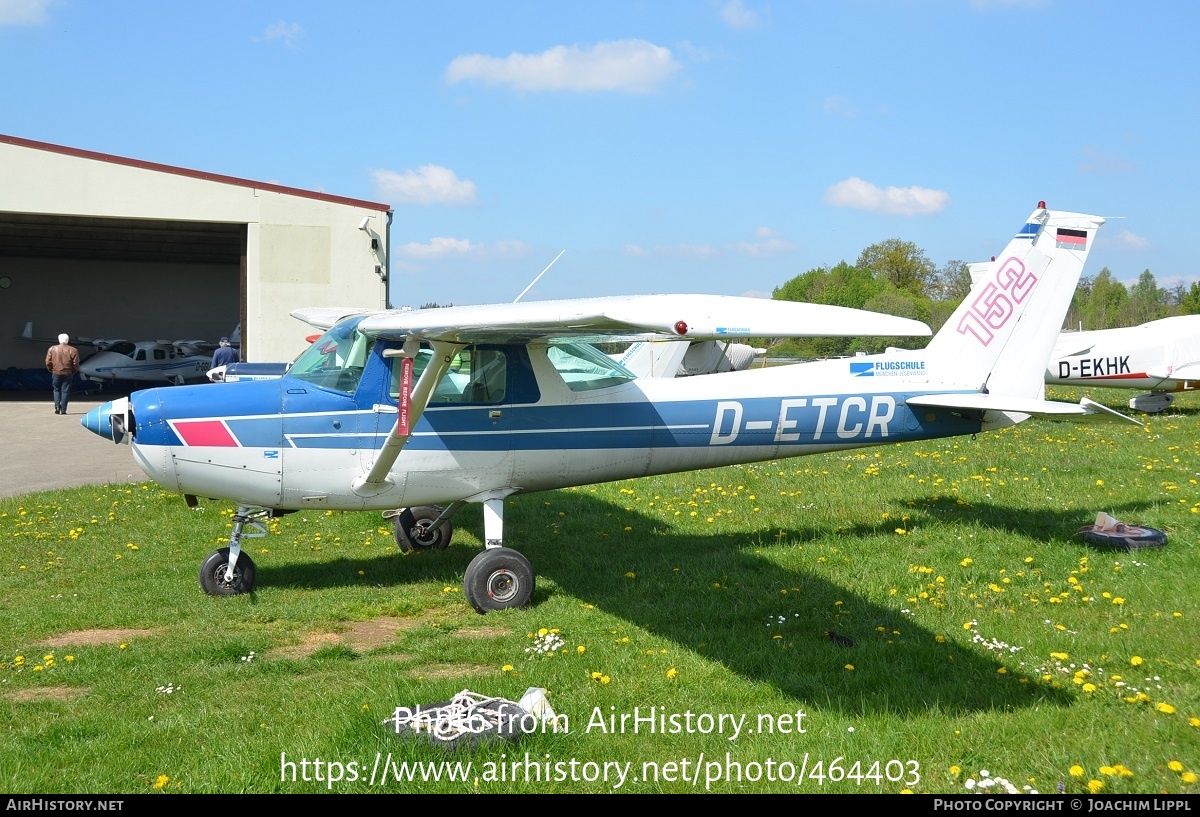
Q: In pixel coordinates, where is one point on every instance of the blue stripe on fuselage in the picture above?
(328, 421)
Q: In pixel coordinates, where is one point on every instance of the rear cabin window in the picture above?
(584, 368)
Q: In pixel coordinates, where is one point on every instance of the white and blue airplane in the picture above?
(428, 410)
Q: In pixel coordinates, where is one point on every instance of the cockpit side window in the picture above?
(475, 376)
(584, 368)
(336, 360)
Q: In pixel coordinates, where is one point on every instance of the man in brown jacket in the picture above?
(63, 362)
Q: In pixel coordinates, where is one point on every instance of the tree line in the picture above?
(896, 277)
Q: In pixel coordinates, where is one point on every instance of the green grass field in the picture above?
(989, 645)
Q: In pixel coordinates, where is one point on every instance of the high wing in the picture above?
(676, 317)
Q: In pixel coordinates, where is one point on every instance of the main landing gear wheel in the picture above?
(412, 529)
(497, 579)
(212, 574)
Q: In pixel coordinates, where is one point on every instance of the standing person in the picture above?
(225, 354)
(63, 362)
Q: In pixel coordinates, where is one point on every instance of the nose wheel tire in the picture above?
(212, 574)
(497, 579)
(412, 529)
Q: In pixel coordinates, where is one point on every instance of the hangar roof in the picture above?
(194, 174)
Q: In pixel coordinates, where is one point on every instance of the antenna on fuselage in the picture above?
(539, 277)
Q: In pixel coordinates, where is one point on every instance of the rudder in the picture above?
(1000, 338)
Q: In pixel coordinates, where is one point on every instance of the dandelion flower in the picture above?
(1175, 766)
(1188, 777)
(581, 649)
(1165, 708)
(1076, 771)
(507, 668)
(671, 673)
(1095, 786)
(1136, 660)
(161, 781)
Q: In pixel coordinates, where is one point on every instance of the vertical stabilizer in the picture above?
(1001, 337)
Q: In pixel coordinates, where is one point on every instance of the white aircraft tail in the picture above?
(1001, 337)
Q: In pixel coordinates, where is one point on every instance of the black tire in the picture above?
(412, 529)
(1126, 538)
(212, 574)
(498, 579)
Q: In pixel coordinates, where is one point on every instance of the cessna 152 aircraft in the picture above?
(1161, 356)
(428, 410)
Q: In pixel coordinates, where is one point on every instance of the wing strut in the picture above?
(377, 479)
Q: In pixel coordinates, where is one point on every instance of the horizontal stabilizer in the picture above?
(1046, 409)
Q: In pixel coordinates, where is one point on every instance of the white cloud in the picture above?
(1125, 239)
(697, 252)
(737, 16)
(635, 66)
(1097, 161)
(634, 250)
(839, 106)
(762, 249)
(428, 184)
(436, 248)
(289, 33)
(508, 248)
(765, 232)
(462, 248)
(692, 52)
(23, 12)
(857, 194)
(756, 293)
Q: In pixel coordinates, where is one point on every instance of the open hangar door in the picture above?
(135, 279)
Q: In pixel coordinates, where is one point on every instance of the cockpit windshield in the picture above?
(336, 360)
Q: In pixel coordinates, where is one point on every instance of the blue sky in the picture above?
(712, 146)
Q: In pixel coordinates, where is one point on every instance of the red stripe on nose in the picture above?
(205, 432)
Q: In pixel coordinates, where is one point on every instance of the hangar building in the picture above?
(102, 246)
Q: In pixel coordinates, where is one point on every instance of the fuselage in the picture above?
(1160, 356)
(513, 418)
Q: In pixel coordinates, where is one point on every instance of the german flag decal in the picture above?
(1071, 239)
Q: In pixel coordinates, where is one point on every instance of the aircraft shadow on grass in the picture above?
(717, 596)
